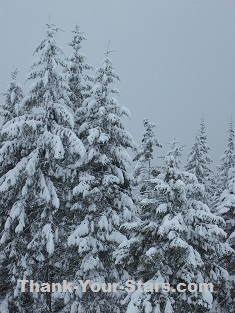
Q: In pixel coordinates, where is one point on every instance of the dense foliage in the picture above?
(74, 206)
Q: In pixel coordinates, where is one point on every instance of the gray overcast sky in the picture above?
(175, 58)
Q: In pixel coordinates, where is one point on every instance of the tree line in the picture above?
(72, 209)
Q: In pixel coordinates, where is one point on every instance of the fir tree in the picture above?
(76, 67)
(227, 161)
(103, 193)
(198, 162)
(13, 97)
(39, 147)
(176, 241)
(225, 200)
(226, 209)
(143, 170)
(9, 110)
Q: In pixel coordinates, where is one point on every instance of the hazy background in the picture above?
(175, 58)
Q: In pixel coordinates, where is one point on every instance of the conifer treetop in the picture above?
(76, 67)
(50, 85)
(144, 153)
(227, 160)
(13, 97)
(198, 159)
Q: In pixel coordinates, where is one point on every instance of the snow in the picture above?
(110, 180)
(93, 134)
(45, 78)
(10, 178)
(151, 251)
(15, 210)
(67, 193)
(103, 138)
(81, 230)
(53, 193)
(103, 223)
(91, 263)
(127, 214)
(168, 307)
(63, 114)
(4, 306)
(32, 163)
(21, 224)
(207, 297)
(54, 141)
(47, 233)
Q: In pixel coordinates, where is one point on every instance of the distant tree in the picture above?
(198, 162)
(39, 147)
(227, 161)
(13, 96)
(102, 197)
(225, 207)
(9, 109)
(143, 170)
(78, 80)
(176, 240)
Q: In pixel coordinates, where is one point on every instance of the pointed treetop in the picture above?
(14, 74)
(53, 27)
(77, 38)
(230, 131)
(13, 96)
(227, 161)
(172, 158)
(107, 52)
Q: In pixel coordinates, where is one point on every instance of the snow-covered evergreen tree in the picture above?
(13, 96)
(8, 110)
(103, 194)
(225, 200)
(226, 209)
(198, 162)
(143, 170)
(38, 152)
(227, 161)
(76, 67)
(176, 241)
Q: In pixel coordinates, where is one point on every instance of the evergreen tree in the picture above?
(13, 96)
(198, 162)
(76, 67)
(102, 197)
(9, 110)
(176, 241)
(225, 200)
(226, 209)
(39, 147)
(227, 161)
(143, 170)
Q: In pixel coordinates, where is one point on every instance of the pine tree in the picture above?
(143, 170)
(102, 197)
(227, 161)
(176, 240)
(13, 96)
(38, 154)
(9, 110)
(198, 162)
(76, 67)
(226, 210)
(225, 207)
